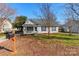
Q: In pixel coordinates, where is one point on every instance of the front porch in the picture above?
(29, 29)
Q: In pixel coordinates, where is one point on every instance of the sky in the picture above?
(31, 10)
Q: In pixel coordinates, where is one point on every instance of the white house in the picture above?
(31, 27)
(5, 25)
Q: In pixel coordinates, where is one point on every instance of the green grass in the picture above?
(58, 36)
(66, 39)
(71, 42)
(64, 36)
(2, 35)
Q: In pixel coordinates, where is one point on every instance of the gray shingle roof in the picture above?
(41, 23)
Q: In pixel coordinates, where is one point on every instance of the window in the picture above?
(53, 28)
(43, 28)
(35, 28)
(29, 28)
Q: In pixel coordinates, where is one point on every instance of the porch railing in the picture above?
(30, 32)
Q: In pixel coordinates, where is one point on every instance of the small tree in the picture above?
(69, 23)
(70, 16)
(47, 16)
(19, 21)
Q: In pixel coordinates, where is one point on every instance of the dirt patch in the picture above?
(29, 46)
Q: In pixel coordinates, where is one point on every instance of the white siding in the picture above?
(24, 30)
(39, 30)
(57, 28)
(6, 25)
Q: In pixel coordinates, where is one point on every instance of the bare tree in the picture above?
(47, 16)
(75, 8)
(6, 11)
(71, 15)
(69, 23)
(72, 9)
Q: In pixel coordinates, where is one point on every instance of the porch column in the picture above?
(25, 29)
(34, 29)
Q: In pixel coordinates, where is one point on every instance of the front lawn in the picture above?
(64, 36)
(66, 39)
(2, 35)
(58, 36)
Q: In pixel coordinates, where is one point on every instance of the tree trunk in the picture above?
(78, 30)
(48, 32)
(70, 33)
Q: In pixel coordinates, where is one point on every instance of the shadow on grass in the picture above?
(1, 47)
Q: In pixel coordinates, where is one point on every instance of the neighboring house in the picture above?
(31, 27)
(74, 28)
(5, 25)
